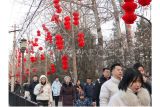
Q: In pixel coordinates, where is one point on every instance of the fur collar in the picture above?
(131, 99)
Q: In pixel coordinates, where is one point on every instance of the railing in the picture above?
(16, 100)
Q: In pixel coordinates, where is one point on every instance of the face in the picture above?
(141, 70)
(57, 79)
(67, 80)
(117, 72)
(43, 80)
(106, 73)
(89, 81)
(135, 86)
(35, 78)
(78, 82)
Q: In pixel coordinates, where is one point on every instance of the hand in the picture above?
(41, 90)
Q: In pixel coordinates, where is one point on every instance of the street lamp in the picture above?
(23, 44)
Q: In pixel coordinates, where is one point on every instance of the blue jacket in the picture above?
(88, 89)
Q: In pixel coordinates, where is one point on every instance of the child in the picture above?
(82, 101)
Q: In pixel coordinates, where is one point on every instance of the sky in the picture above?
(11, 13)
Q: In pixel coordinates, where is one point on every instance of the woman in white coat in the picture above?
(43, 92)
(131, 91)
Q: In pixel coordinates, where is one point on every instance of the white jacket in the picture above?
(128, 98)
(108, 89)
(47, 92)
(56, 88)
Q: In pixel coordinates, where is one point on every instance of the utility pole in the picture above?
(13, 57)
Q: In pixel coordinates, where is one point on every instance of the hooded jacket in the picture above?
(56, 88)
(128, 98)
(47, 92)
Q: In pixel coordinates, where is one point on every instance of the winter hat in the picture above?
(67, 77)
(43, 76)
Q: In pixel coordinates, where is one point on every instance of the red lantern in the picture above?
(36, 39)
(55, 1)
(59, 10)
(64, 62)
(75, 13)
(55, 18)
(42, 57)
(59, 42)
(49, 73)
(128, 0)
(40, 48)
(129, 6)
(24, 60)
(67, 18)
(144, 2)
(76, 18)
(57, 6)
(129, 18)
(81, 41)
(53, 69)
(33, 59)
(38, 33)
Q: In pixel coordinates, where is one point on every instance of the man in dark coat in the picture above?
(105, 76)
(147, 82)
(88, 89)
(32, 86)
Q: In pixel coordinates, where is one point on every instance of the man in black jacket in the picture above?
(105, 76)
(32, 86)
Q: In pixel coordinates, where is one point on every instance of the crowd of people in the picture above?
(114, 87)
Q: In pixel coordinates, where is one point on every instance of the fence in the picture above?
(16, 100)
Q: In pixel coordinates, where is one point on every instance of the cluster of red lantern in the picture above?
(24, 60)
(42, 57)
(59, 41)
(129, 7)
(49, 37)
(81, 41)
(55, 18)
(64, 62)
(57, 6)
(33, 59)
(38, 33)
(144, 2)
(67, 23)
(53, 69)
(76, 18)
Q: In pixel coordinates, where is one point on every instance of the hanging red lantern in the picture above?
(81, 41)
(24, 60)
(42, 57)
(49, 73)
(55, 18)
(129, 18)
(67, 18)
(57, 6)
(76, 18)
(55, 1)
(64, 62)
(59, 10)
(33, 59)
(36, 39)
(40, 48)
(128, 0)
(129, 6)
(59, 42)
(38, 33)
(53, 69)
(144, 2)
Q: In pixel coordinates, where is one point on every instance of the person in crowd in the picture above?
(17, 87)
(43, 92)
(32, 86)
(110, 87)
(82, 101)
(56, 88)
(105, 76)
(131, 92)
(88, 89)
(26, 90)
(147, 81)
(67, 92)
(78, 86)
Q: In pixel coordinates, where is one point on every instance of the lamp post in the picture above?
(23, 44)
